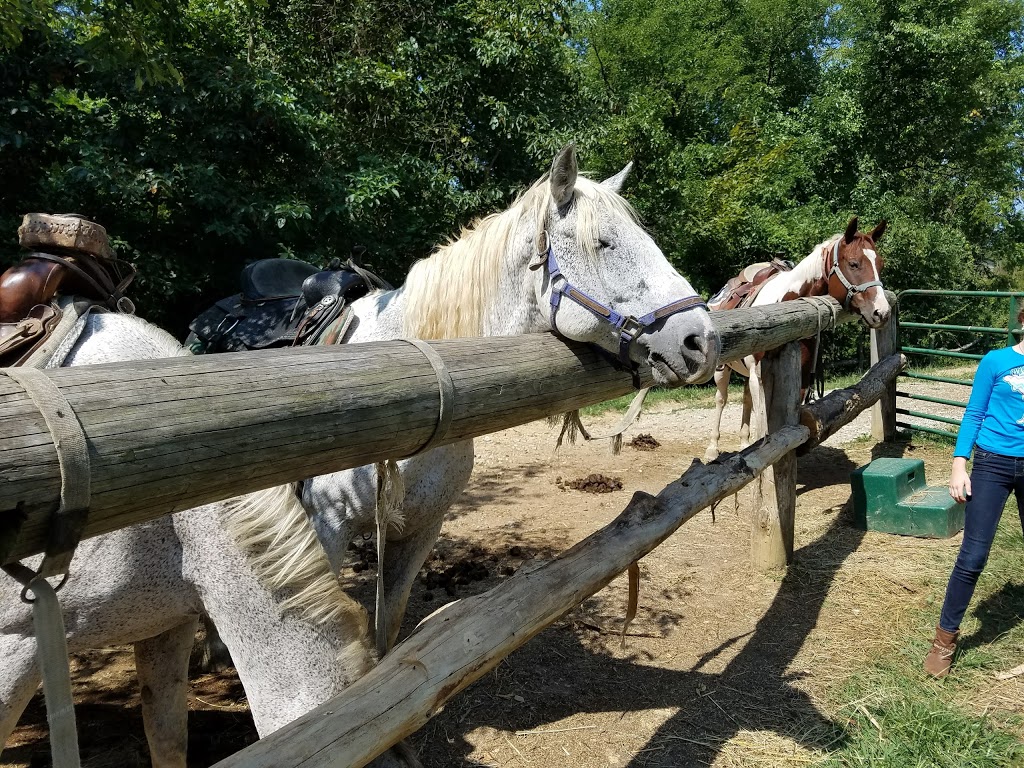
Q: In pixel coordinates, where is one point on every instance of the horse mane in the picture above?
(815, 260)
(448, 294)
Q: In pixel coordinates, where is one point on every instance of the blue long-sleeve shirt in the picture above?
(994, 419)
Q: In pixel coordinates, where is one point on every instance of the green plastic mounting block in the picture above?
(891, 496)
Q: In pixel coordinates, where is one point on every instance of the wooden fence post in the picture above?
(883, 413)
(776, 405)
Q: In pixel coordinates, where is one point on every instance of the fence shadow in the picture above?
(756, 690)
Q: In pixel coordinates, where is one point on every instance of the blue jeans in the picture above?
(992, 478)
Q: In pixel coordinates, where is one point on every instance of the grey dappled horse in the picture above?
(255, 565)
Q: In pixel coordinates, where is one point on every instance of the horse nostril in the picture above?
(695, 343)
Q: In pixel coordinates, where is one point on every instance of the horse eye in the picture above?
(854, 265)
(601, 243)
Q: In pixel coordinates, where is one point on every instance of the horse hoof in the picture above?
(710, 455)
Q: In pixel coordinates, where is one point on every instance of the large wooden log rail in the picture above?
(168, 435)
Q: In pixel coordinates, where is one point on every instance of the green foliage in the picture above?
(760, 127)
(291, 129)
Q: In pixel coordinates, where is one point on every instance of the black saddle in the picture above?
(283, 302)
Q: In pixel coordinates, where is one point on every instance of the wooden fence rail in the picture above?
(168, 435)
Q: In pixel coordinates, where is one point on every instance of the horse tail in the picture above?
(272, 528)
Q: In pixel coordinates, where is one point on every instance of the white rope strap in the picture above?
(52, 653)
(65, 532)
(446, 388)
(573, 425)
(390, 500)
(73, 460)
(391, 488)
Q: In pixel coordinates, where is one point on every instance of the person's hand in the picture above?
(959, 480)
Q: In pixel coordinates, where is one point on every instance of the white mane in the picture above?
(449, 293)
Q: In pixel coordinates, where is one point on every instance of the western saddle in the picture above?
(284, 302)
(69, 255)
(741, 290)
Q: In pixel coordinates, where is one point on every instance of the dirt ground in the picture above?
(723, 665)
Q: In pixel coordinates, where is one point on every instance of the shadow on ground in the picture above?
(754, 691)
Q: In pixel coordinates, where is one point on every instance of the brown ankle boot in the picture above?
(940, 655)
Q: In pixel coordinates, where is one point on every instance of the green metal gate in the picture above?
(985, 334)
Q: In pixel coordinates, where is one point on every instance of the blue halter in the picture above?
(627, 326)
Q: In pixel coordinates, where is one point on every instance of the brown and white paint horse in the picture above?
(846, 267)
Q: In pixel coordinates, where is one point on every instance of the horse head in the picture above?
(607, 283)
(854, 278)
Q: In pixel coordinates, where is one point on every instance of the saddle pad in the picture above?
(235, 325)
(61, 324)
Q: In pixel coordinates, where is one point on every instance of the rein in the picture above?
(628, 327)
(851, 289)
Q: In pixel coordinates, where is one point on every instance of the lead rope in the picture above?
(572, 425)
(834, 313)
(66, 530)
(391, 487)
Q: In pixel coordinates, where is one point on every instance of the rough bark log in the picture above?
(758, 329)
(168, 435)
(838, 408)
(773, 522)
(465, 639)
(883, 412)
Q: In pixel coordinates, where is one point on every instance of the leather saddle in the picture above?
(741, 290)
(283, 302)
(70, 256)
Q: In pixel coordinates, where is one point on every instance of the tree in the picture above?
(280, 128)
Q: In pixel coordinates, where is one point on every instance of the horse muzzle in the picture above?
(692, 362)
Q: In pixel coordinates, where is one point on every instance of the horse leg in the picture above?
(722, 376)
(19, 678)
(748, 403)
(757, 420)
(402, 561)
(210, 654)
(161, 663)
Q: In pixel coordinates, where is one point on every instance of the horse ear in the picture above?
(851, 229)
(614, 183)
(563, 175)
(879, 230)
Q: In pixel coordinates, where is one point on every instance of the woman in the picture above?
(993, 425)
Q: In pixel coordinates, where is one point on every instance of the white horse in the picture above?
(255, 565)
(846, 267)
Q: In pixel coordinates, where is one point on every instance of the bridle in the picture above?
(851, 289)
(628, 327)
